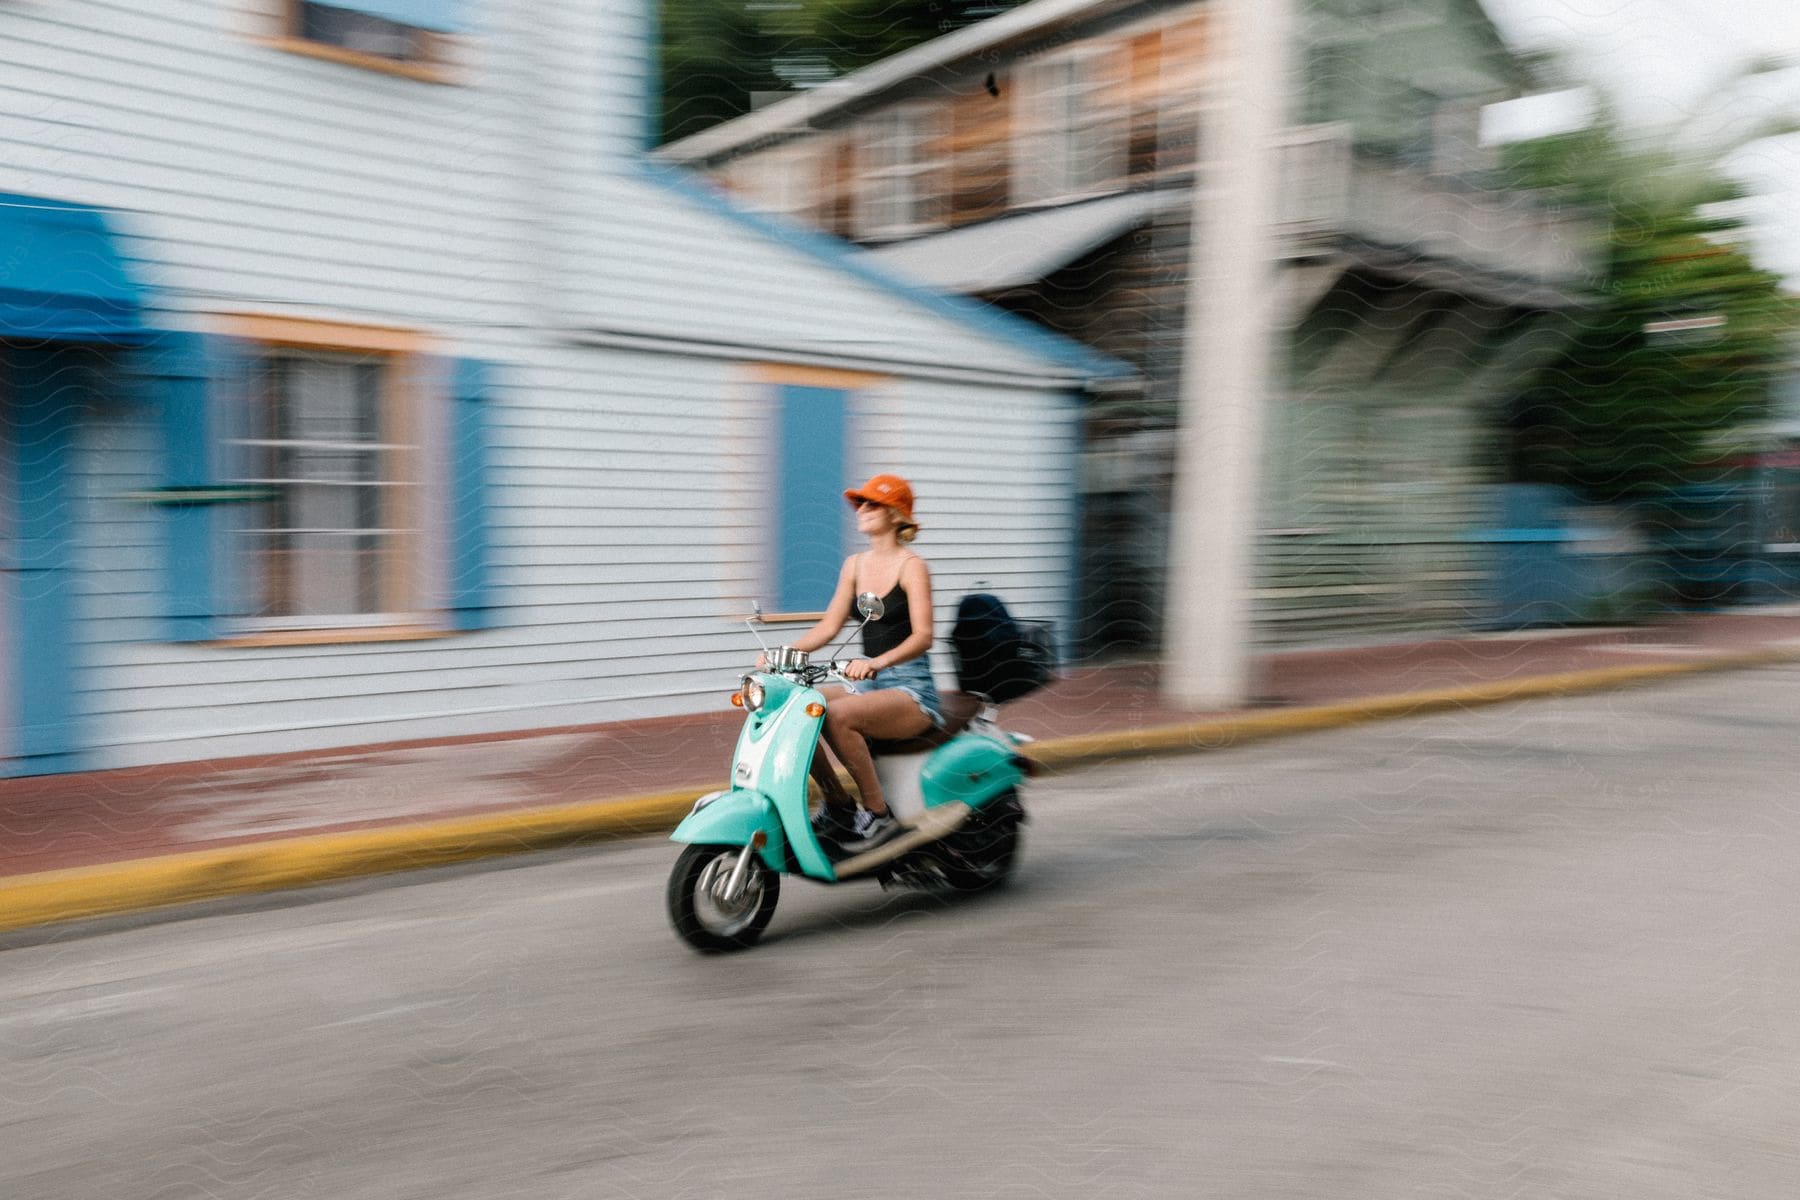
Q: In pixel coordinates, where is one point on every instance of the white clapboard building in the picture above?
(362, 380)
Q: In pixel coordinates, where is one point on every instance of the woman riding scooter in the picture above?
(944, 810)
(902, 701)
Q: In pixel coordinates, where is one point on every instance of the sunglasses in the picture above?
(862, 504)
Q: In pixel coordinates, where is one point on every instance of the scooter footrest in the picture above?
(935, 824)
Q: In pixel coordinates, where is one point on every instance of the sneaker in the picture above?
(837, 824)
(872, 831)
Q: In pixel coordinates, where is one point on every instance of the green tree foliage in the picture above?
(1685, 334)
(850, 34)
(716, 54)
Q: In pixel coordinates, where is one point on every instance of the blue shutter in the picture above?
(202, 389)
(469, 602)
(179, 384)
(438, 16)
(811, 522)
(48, 388)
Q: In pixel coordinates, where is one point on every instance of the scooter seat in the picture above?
(959, 709)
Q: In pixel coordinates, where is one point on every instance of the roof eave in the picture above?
(1060, 359)
(799, 112)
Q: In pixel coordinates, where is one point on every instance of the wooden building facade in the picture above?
(363, 380)
(1043, 161)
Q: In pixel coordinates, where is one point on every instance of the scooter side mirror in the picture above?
(752, 621)
(871, 608)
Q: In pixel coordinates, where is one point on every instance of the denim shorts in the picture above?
(914, 678)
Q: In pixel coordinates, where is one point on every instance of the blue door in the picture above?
(812, 522)
(45, 388)
(9, 711)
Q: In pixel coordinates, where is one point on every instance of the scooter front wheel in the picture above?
(703, 911)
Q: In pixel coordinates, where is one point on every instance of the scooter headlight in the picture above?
(753, 694)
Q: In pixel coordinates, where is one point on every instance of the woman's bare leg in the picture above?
(833, 791)
(888, 713)
(823, 773)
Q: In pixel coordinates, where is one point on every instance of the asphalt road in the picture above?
(1546, 950)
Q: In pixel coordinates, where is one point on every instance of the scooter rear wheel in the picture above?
(701, 912)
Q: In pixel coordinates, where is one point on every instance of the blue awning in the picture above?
(61, 277)
(439, 16)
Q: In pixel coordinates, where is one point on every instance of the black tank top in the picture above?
(895, 626)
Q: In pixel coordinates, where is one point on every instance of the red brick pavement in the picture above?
(101, 817)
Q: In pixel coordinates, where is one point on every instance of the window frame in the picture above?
(900, 154)
(405, 610)
(1061, 114)
(434, 64)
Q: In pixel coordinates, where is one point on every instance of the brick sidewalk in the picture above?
(107, 817)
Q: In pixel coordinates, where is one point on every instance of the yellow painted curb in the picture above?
(1220, 732)
(52, 896)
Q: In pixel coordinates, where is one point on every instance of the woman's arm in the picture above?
(836, 613)
(915, 577)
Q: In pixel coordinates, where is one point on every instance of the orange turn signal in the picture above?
(815, 709)
(737, 699)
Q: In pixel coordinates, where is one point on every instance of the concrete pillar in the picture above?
(1227, 358)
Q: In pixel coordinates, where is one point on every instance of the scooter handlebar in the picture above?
(817, 672)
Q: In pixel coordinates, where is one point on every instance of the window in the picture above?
(333, 481)
(1442, 133)
(779, 180)
(330, 545)
(1330, 84)
(1781, 532)
(1069, 138)
(361, 33)
(1312, 178)
(405, 37)
(901, 184)
(1456, 147)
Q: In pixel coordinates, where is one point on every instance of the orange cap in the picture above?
(889, 491)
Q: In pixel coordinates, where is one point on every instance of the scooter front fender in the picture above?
(732, 818)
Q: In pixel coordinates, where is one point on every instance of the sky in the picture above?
(1662, 61)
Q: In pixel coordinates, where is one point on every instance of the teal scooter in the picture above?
(956, 790)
